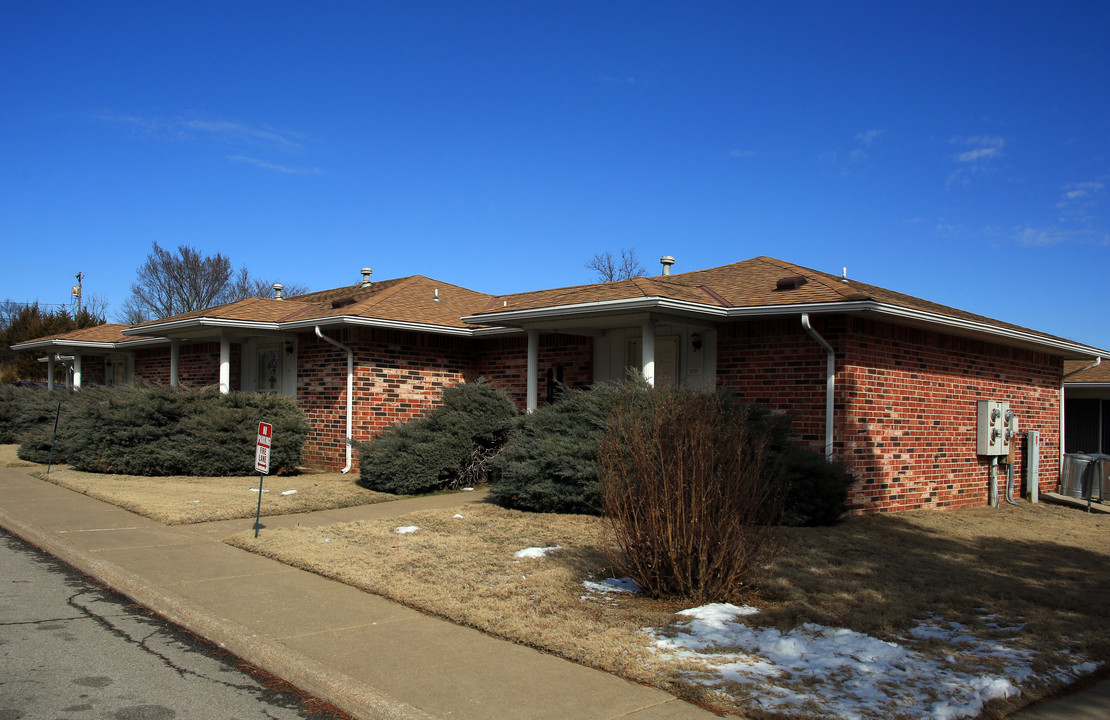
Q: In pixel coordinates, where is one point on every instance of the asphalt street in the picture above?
(70, 649)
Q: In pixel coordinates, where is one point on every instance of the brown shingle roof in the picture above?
(411, 299)
(749, 283)
(1098, 374)
(105, 333)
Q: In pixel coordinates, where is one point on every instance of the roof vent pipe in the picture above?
(278, 287)
(366, 273)
(666, 261)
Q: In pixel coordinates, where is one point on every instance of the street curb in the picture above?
(349, 695)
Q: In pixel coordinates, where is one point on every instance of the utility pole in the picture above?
(77, 290)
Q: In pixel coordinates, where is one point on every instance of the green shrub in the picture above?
(550, 463)
(816, 489)
(26, 411)
(689, 492)
(448, 447)
(157, 431)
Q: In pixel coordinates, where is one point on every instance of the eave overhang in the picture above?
(213, 327)
(61, 344)
(561, 314)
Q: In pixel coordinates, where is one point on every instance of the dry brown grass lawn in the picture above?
(179, 500)
(1042, 565)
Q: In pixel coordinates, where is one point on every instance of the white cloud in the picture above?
(193, 129)
(273, 167)
(1039, 236)
(1077, 191)
(980, 154)
(869, 137)
(237, 132)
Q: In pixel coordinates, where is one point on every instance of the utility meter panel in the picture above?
(991, 436)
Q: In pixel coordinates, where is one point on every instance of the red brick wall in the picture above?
(907, 427)
(198, 365)
(398, 375)
(504, 362)
(92, 370)
(905, 404)
(776, 364)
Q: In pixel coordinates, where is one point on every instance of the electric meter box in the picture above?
(992, 436)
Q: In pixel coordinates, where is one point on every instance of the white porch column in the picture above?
(175, 362)
(533, 369)
(77, 371)
(647, 351)
(50, 371)
(225, 365)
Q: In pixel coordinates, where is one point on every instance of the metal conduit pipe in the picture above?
(830, 384)
(350, 393)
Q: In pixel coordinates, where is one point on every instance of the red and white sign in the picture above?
(262, 452)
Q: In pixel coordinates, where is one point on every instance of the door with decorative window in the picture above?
(269, 359)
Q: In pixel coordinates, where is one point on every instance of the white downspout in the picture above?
(830, 384)
(350, 389)
(532, 372)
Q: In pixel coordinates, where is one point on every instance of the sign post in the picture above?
(262, 464)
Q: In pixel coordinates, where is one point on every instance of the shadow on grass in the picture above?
(1047, 567)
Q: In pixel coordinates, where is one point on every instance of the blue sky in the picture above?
(959, 152)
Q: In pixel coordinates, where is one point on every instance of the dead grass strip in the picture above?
(1045, 566)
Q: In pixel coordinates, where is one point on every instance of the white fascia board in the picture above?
(141, 342)
(1077, 349)
(203, 322)
(595, 308)
(1086, 385)
(851, 306)
(358, 321)
(58, 342)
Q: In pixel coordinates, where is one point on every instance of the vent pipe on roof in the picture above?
(278, 287)
(666, 261)
(366, 273)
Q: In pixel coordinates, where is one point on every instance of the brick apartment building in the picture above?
(885, 383)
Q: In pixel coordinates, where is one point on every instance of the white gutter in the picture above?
(294, 325)
(830, 384)
(350, 388)
(91, 344)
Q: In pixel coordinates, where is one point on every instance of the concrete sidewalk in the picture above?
(368, 656)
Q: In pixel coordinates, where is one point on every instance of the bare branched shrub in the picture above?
(687, 492)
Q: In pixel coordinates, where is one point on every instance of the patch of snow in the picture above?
(406, 529)
(256, 490)
(851, 675)
(612, 585)
(468, 489)
(194, 501)
(456, 515)
(536, 552)
(288, 492)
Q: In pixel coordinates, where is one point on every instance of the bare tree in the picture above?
(609, 269)
(169, 284)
